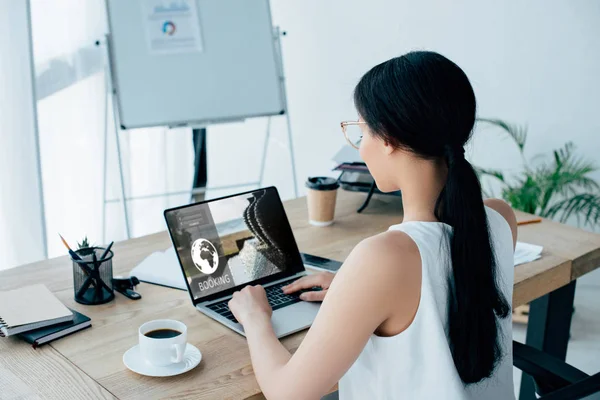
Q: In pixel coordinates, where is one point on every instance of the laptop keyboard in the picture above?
(277, 299)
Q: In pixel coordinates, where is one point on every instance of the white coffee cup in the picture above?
(163, 351)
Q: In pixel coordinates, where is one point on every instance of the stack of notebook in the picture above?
(37, 316)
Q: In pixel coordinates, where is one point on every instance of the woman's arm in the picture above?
(365, 292)
(502, 208)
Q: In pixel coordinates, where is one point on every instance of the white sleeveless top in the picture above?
(417, 363)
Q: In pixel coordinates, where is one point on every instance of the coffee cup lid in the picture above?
(322, 183)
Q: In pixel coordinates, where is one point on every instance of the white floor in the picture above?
(584, 346)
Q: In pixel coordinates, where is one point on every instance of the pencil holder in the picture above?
(92, 276)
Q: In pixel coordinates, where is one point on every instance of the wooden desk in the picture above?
(89, 364)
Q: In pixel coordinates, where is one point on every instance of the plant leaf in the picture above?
(557, 188)
(525, 195)
(584, 206)
(516, 132)
(567, 176)
(574, 170)
(489, 172)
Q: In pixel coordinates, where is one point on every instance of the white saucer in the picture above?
(134, 361)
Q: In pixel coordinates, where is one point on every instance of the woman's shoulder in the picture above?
(506, 212)
(387, 254)
(501, 207)
(387, 269)
(390, 242)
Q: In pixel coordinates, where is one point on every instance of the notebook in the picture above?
(41, 336)
(28, 308)
(161, 268)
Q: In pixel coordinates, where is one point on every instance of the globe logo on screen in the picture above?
(205, 256)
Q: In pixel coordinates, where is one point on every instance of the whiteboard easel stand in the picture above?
(123, 198)
(277, 33)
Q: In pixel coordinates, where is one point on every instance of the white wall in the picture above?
(72, 111)
(534, 63)
(22, 237)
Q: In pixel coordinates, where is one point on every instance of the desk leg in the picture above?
(548, 329)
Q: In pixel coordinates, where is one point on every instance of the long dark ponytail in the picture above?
(424, 103)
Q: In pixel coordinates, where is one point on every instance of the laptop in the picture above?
(230, 242)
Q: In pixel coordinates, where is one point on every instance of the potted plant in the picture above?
(84, 248)
(557, 187)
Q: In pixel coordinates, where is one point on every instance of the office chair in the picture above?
(554, 379)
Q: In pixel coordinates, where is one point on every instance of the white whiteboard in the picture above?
(236, 74)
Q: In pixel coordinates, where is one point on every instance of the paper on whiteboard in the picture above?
(172, 26)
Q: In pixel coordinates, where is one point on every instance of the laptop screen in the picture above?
(233, 241)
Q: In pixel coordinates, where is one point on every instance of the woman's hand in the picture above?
(250, 303)
(322, 280)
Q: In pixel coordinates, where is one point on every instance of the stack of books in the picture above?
(37, 316)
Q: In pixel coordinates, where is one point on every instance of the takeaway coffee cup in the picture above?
(322, 192)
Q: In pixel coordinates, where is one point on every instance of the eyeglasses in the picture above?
(352, 132)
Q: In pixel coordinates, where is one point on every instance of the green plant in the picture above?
(557, 188)
(85, 248)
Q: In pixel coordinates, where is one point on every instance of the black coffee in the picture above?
(162, 333)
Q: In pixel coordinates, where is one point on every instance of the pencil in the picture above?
(529, 221)
(84, 267)
(71, 252)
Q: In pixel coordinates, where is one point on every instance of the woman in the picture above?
(421, 311)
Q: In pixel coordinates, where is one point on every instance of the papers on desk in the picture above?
(525, 252)
(161, 268)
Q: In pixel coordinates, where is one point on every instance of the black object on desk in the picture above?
(125, 286)
(92, 276)
(355, 177)
(45, 335)
(321, 263)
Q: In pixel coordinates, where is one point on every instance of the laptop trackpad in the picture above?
(294, 318)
